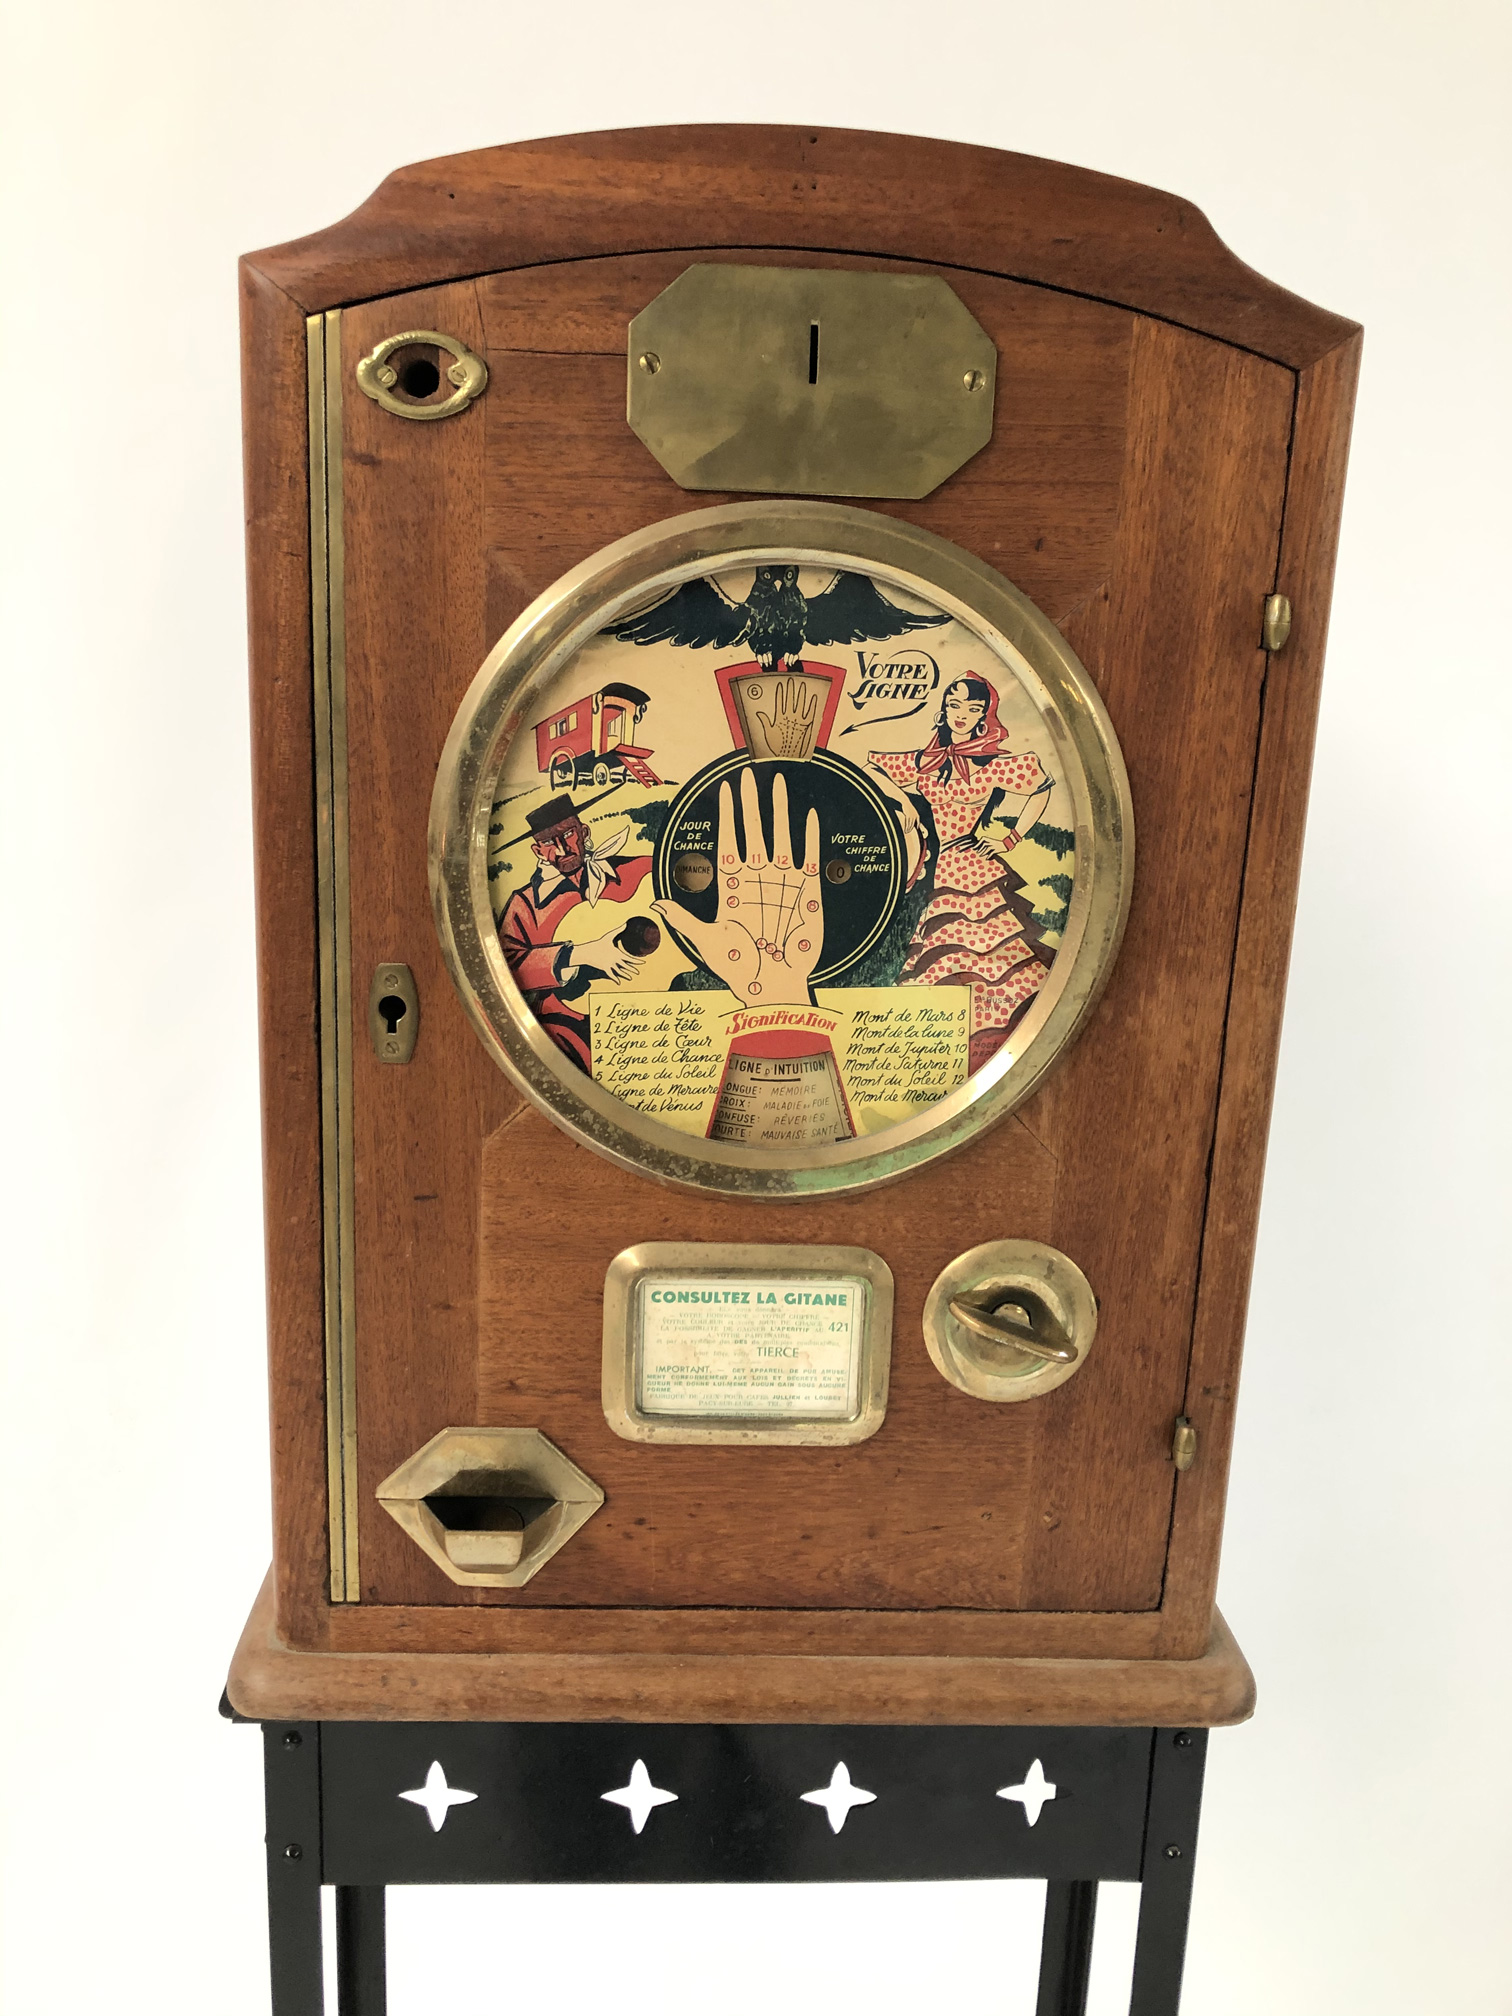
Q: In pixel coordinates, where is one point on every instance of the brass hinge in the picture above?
(1275, 626)
(1184, 1444)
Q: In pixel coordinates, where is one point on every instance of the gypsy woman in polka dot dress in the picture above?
(978, 927)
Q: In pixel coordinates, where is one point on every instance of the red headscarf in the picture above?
(954, 758)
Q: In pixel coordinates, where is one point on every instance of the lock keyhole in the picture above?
(420, 377)
(393, 1011)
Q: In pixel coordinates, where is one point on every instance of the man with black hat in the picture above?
(554, 973)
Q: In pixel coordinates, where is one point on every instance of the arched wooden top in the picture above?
(882, 195)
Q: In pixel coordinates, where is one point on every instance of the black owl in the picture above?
(776, 619)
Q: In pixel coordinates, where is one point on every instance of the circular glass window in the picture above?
(779, 848)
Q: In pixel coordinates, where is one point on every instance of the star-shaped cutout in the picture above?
(640, 1797)
(1033, 1793)
(437, 1797)
(838, 1797)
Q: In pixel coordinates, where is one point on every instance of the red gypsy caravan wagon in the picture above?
(586, 742)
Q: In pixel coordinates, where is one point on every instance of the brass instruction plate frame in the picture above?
(638, 1265)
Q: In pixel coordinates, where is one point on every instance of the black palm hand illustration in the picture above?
(767, 937)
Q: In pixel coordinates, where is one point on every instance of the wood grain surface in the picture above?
(1138, 488)
(1156, 457)
(416, 574)
(283, 807)
(808, 189)
(1262, 952)
(272, 1681)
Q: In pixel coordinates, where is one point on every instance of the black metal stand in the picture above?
(361, 1805)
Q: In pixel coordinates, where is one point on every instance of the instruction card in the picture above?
(751, 1346)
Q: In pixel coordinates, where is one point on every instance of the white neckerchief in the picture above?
(598, 859)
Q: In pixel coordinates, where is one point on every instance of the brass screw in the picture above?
(387, 375)
(975, 380)
(649, 362)
(457, 373)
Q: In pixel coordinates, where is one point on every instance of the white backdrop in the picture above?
(1355, 1838)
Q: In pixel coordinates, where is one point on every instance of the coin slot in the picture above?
(813, 353)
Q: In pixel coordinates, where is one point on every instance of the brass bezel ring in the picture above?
(559, 622)
(468, 376)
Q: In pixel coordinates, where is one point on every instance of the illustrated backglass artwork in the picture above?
(784, 854)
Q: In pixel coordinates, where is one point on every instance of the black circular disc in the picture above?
(857, 835)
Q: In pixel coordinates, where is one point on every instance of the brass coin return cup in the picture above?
(482, 1529)
(490, 1506)
(1010, 1320)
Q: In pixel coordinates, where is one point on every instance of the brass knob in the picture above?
(1014, 1322)
(1010, 1320)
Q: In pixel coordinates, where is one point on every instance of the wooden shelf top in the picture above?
(270, 1682)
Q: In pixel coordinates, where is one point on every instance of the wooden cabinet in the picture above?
(1167, 453)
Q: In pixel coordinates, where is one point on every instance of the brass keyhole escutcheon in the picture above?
(393, 1013)
(1010, 1320)
(409, 374)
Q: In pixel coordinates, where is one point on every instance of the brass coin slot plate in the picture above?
(1035, 1286)
(490, 1506)
(800, 1336)
(803, 382)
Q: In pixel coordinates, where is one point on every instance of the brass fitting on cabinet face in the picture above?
(490, 1505)
(405, 375)
(1010, 1320)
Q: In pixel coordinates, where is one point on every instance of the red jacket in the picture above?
(528, 931)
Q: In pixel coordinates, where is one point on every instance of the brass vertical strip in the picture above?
(325, 881)
(345, 1027)
(323, 356)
